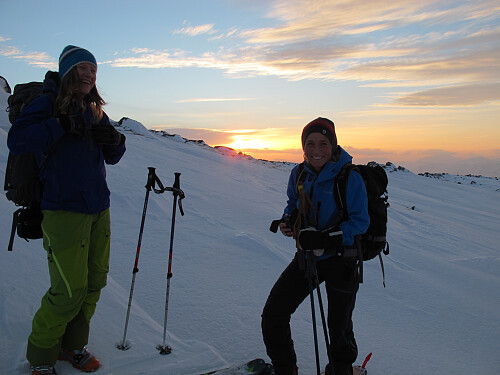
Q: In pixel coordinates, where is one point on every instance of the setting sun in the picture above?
(246, 142)
(262, 139)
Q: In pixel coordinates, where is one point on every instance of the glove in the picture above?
(311, 239)
(332, 238)
(106, 134)
(73, 124)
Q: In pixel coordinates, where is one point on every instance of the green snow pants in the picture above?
(77, 248)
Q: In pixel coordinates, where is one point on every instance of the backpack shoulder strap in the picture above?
(300, 177)
(340, 191)
(307, 214)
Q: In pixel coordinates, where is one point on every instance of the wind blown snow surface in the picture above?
(438, 315)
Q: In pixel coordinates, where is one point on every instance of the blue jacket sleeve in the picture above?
(292, 195)
(357, 207)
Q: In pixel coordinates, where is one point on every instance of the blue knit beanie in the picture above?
(72, 56)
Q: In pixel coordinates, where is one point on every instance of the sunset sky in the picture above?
(412, 82)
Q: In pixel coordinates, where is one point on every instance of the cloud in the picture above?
(202, 100)
(421, 68)
(40, 59)
(316, 19)
(434, 160)
(462, 95)
(403, 43)
(210, 136)
(374, 43)
(196, 30)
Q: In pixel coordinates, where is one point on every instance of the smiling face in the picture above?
(318, 150)
(87, 74)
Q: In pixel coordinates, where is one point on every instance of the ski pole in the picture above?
(166, 349)
(152, 179)
(323, 320)
(309, 273)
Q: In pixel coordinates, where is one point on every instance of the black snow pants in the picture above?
(290, 290)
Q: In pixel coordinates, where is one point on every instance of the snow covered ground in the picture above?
(438, 315)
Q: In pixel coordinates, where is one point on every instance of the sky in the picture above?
(437, 315)
(412, 82)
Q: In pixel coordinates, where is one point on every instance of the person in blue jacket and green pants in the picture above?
(68, 124)
(323, 160)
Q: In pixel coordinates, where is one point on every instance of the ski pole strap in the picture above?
(154, 180)
(161, 189)
(180, 205)
(304, 218)
(15, 220)
(360, 260)
(178, 193)
(382, 267)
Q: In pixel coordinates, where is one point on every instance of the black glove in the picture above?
(106, 134)
(332, 238)
(311, 239)
(73, 124)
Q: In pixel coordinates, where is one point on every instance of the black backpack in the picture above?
(22, 175)
(374, 241)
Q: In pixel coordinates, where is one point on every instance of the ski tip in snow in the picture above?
(259, 366)
(361, 370)
(254, 367)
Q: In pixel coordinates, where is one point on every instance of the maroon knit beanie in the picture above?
(320, 125)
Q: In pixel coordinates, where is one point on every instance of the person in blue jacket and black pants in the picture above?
(323, 160)
(67, 129)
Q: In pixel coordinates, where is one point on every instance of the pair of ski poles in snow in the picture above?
(312, 277)
(154, 181)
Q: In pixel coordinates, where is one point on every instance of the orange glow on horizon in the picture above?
(246, 142)
(262, 139)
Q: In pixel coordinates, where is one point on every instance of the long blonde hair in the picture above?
(69, 99)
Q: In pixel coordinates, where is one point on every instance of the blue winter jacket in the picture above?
(74, 174)
(323, 198)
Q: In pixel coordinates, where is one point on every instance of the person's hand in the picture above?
(314, 239)
(286, 230)
(106, 134)
(73, 124)
(311, 239)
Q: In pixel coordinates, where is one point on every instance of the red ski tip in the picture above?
(366, 360)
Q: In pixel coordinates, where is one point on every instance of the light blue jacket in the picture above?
(321, 185)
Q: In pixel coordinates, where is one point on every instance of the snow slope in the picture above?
(438, 315)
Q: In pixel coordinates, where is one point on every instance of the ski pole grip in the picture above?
(275, 225)
(176, 188)
(177, 182)
(151, 177)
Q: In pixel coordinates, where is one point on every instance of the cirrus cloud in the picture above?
(196, 30)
